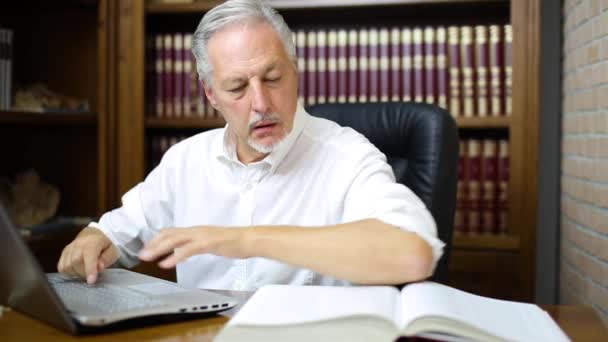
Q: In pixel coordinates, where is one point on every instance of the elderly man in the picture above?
(276, 196)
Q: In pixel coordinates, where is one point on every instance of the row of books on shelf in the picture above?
(6, 66)
(465, 69)
(482, 190)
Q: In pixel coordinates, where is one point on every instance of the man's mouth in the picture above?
(264, 127)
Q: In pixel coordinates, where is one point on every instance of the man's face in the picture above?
(254, 85)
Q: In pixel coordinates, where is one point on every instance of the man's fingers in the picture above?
(91, 259)
(164, 243)
(179, 254)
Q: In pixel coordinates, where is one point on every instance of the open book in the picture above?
(383, 313)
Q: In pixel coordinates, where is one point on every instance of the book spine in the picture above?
(342, 66)
(496, 62)
(406, 64)
(159, 95)
(188, 70)
(489, 174)
(353, 65)
(461, 191)
(321, 66)
(311, 68)
(430, 71)
(508, 33)
(178, 72)
(384, 65)
(454, 67)
(374, 71)
(503, 186)
(332, 66)
(168, 75)
(363, 71)
(467, 70)
(474, 186)
(482, 66)
(149, 76)
(418, 65)
(301, 52)
(442, 68)
(395, 61)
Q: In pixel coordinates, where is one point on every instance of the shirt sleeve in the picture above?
(146, 208)
(374, 193)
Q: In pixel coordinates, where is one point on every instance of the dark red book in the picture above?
(373, 63)
(311, 68)
(442, 67)
(188, 70)
(169, 59)
(454, 66)
(395, 64)
(430, 69)
(489, 181)
(384, 64)
(332, 66)
(482, 70)
(353, 65)
(178, 74)
(407, 57)
(159, 69)
(321, 66)
(150, 76)
(342, 66)
(473, 177)
(461, 191)
(508, 34)
(301, 54)
(363, 72)
(496, 72)
(467, 55)
(503, 187)
(418, 64)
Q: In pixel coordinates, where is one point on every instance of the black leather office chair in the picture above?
(420, 142)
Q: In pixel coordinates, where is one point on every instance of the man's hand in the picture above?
(182, 243)
(90, 253)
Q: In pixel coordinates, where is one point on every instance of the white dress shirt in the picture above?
(323, 174)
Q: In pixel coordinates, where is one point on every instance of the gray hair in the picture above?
(234, 12)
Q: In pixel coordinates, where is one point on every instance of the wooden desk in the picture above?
(580, 323)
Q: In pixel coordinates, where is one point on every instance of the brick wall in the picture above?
(584, 180)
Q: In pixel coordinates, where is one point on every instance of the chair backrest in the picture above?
(420, 142)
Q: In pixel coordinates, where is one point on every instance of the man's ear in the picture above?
(210, 94)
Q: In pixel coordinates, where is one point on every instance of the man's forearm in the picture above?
(364, 252)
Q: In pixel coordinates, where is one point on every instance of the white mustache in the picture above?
(258, 117)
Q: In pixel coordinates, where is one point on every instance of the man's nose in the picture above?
(260, 98)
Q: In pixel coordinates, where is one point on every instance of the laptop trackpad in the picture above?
(157, 288)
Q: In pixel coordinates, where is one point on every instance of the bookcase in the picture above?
(498, 265)
(63, 45)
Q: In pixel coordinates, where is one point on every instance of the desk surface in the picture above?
(581, 323)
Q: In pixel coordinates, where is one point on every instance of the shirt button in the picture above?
(248, 187)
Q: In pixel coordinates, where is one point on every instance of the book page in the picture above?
(504, 319)
(293, 304)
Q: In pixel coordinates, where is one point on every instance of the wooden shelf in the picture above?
(203, 6)
(499, 242)
(484, 122)
(194, 122)
(49, 118)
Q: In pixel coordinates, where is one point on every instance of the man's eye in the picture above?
(237, 89)
(272, 79)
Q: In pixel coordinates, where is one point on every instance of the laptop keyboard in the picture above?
(106, 298)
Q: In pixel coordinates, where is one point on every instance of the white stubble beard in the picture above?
(265, 149)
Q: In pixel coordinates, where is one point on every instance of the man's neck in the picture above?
(247, 155)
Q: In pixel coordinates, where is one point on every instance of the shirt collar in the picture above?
(225, 149)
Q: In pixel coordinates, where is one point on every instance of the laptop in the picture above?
(119, 296)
